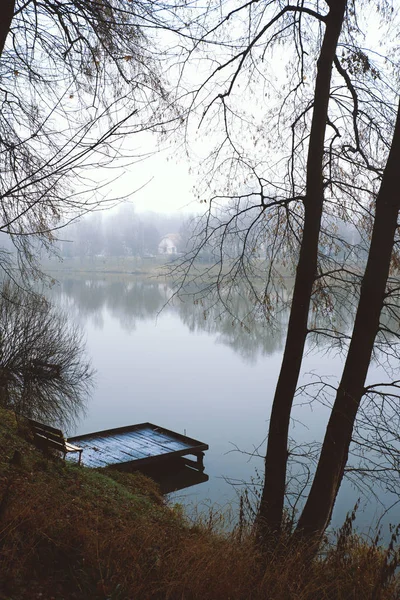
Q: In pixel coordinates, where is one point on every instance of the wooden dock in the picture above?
(140, 445)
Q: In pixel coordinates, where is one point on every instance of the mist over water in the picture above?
(196, 371)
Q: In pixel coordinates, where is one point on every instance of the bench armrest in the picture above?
(71, 448)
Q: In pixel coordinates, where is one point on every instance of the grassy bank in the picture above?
(77, 533)
(135, 265)
(129, 265)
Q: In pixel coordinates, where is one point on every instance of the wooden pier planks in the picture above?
(137, 444)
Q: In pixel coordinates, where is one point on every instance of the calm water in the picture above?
(201, 376)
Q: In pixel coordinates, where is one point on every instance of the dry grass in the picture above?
(73, 533)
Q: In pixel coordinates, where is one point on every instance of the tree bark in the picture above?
(5, 21)
(272, 500)
(329, 474)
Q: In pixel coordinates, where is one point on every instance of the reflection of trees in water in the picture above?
(247, 339)
(131, 301)
(127, 301)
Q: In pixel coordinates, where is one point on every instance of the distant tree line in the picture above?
(123, 232)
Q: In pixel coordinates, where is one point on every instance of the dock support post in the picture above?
(200, 463)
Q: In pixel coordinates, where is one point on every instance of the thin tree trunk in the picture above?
(272, 501)
(329, 474)
(7, 13)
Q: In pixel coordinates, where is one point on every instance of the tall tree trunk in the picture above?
(272, 501)
(329, 474)
(7, 13)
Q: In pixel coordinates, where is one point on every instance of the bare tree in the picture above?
(334, 454)
(272, 501)
(44, 372)
(325, 146)
(76, 79)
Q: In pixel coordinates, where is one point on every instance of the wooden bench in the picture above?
(46, 436)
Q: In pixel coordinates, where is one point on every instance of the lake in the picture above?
(195, 373)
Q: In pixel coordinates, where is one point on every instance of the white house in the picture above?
(169, 244)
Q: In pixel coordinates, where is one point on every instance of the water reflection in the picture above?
(173, 476)
(188, 366)
(127, 301)
(132, 301)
